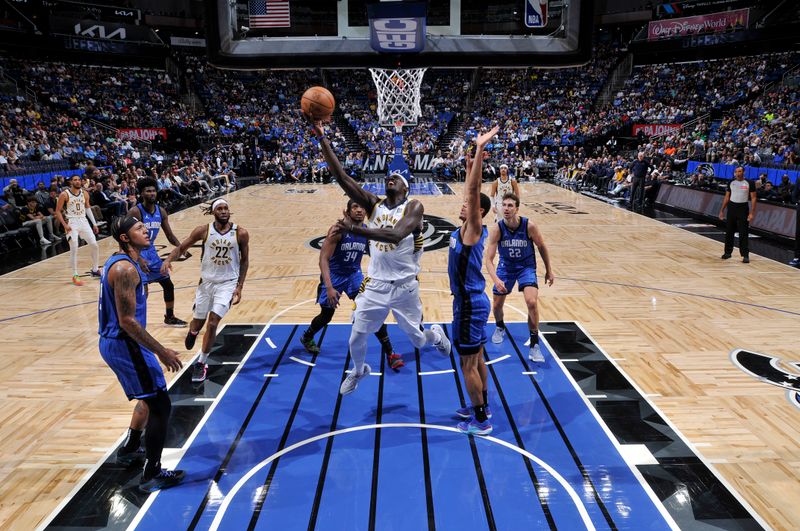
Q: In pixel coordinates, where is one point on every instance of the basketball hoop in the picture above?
(398, 96)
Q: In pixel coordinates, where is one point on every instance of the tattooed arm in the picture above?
(124, 279)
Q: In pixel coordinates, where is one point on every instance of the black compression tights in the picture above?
(156, 432)
(169, 289)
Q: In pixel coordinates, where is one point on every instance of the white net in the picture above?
(398, 95)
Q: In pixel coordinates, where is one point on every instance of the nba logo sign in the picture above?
(535, 13)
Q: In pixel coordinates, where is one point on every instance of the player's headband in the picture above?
(217, 203)
(122, 226)
(504, 166)
(400, 176)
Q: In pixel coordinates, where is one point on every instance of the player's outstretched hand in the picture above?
(549, 278)
(500, 286)
(333, 297)
(237, 296)
(483, 139)
(170, 360)
(316, 125)
(166, 267)
(341, 227)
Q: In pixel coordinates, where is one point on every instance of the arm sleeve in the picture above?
(90, 215)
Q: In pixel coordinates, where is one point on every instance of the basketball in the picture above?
(318, 103)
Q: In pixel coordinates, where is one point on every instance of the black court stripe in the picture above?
(565, 438)
(323, 471)
(373, 502)
(487, 504)
(273, 467)
(518, 438)
(426, 463)
(235, 443)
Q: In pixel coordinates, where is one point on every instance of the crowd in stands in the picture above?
(762, 132)
(542, 106)
(64, 119)
(679, 92)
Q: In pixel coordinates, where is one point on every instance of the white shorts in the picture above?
(372, 307)
(213, 297)
(81, 229)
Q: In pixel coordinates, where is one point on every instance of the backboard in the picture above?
(457, 33)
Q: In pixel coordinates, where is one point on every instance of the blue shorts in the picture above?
(525, 277)
(348, 285)
(137, 368)
(154, 262)
(469, 323)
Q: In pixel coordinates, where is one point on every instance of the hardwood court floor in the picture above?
(655, 297)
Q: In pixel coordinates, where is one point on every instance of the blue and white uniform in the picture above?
(470, 303)
(137, 368)
(153, 224)
(345, 267)
(517, 257)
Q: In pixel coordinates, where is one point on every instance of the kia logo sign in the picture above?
(99, 32)
(396, 35)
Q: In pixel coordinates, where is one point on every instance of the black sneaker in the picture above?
(745, 259)
(190, 339)
(96, 274)
(163, 480)
(199, 371)
(725, 256)
(127, 458)
(174, 321)
(309, 344)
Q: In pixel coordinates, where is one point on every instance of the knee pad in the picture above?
(169, 289)
(159, 405)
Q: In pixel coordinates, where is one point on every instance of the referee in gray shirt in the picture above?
(739, 217)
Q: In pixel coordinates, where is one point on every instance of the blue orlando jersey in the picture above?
(153, 224)
(464, 265)
(107, 309)
(346, 258)
(515, 247)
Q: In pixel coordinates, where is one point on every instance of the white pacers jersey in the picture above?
(503, 188)
(220, 258)
(389, 261)
(76, 206)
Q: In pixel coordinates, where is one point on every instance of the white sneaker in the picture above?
(499, 335)
(351, 382)
(44, 241)
(443, 345)
(535, 354)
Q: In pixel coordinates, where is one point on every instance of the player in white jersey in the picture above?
(500, 187)
(223, 268)
(394, 229)
(76, 201)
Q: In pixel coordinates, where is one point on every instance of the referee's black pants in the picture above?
(737, 221)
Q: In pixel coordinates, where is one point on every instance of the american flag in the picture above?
(269, 14)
